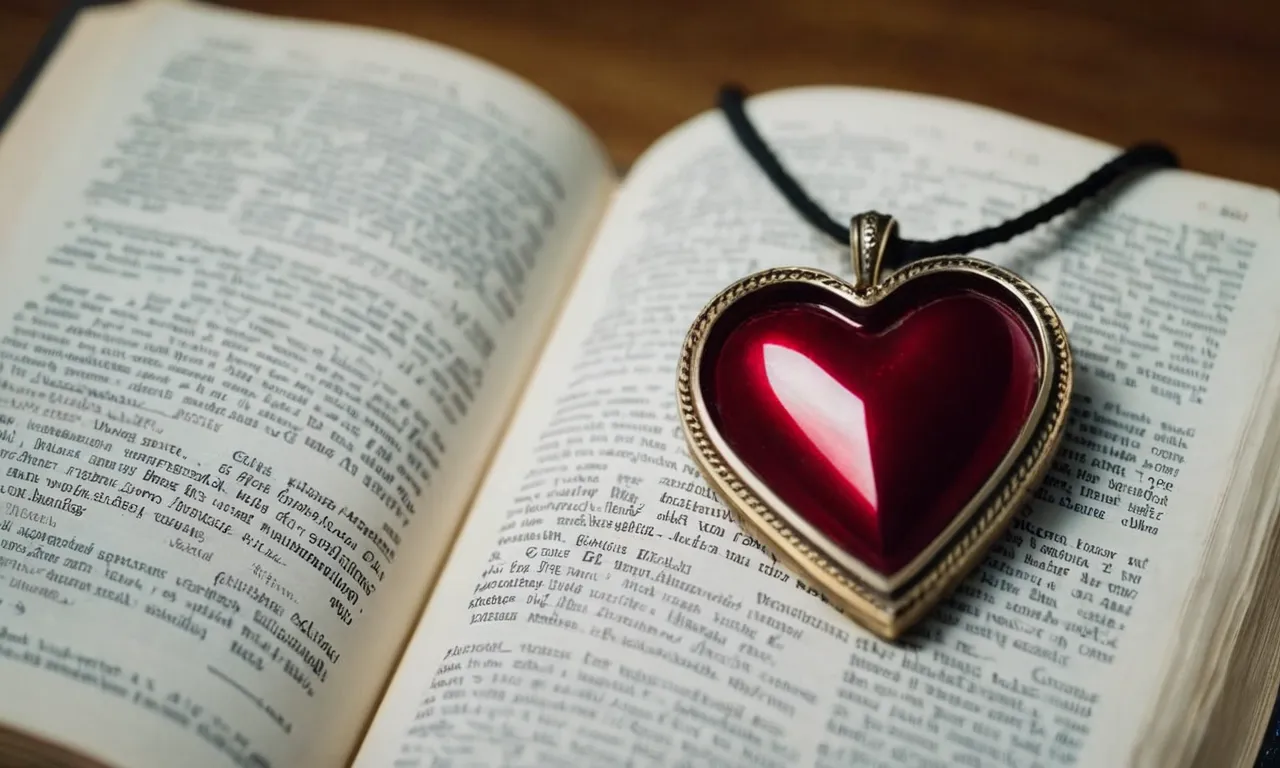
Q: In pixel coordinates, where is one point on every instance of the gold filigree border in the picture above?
(878, 609)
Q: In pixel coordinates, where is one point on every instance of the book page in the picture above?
(265, 313)
(601, 605)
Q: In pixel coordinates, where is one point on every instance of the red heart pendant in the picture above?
(877, 438)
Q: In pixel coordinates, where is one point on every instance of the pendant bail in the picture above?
(869, 236)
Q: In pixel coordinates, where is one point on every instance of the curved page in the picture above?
(264, 315)
(601, 606)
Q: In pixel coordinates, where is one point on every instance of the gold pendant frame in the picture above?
(886, 605)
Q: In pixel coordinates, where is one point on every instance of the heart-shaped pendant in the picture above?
(877, 436)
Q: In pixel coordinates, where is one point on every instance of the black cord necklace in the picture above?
(1139, 157)
(879, 434)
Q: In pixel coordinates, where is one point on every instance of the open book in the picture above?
(337, 426)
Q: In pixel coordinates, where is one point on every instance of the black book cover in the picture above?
(12, 97)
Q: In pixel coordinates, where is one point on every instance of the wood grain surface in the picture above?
(1199, 74)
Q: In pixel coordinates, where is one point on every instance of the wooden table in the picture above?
(1199, 74)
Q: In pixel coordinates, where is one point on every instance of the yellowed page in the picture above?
(602, 608)
(265, 311)
(88, 57)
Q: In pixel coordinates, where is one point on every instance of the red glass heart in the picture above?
(876, 424)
